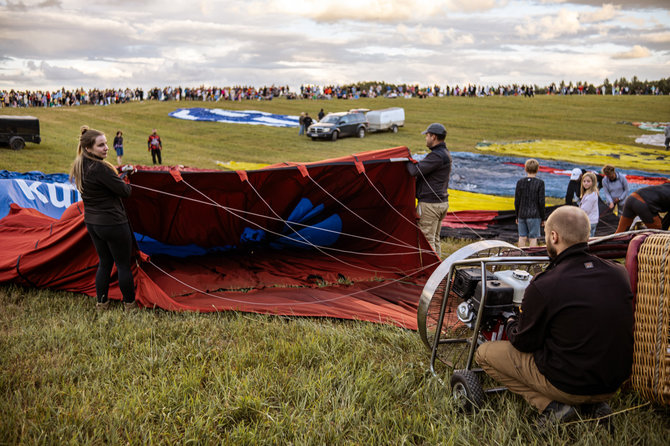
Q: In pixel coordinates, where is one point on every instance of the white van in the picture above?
(386, 119)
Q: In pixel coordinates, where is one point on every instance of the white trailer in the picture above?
(386, 119)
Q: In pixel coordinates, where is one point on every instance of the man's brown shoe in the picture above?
(556, 413)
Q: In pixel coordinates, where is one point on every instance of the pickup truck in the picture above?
(337, 125)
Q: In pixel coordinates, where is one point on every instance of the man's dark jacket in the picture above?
(435, 168)
(577, 320)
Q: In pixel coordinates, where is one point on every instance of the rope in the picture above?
(304, 239)
(236, 212)
(291, 225)
(341, 296)
(354, 213)
(604, 417)
(453, 214)
(294, 231)
(413, 223)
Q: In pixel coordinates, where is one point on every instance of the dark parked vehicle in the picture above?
(16, 130)
(337, 125)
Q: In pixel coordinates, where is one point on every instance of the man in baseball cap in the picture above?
(436, 129)
(432, 179)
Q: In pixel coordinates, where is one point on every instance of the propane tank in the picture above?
(517, 279)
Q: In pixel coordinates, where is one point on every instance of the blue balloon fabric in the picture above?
(311, 229)
(252, 117)
(498, 175)
(305, 227)
(50, 194)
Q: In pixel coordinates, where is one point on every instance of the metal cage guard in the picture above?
(483, 262)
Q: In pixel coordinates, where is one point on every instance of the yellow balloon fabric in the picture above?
(589, 153)
(237, 165)
(469, 201)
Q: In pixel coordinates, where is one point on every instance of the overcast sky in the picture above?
(124, 43)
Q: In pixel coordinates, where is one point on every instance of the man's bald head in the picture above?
(571, 224)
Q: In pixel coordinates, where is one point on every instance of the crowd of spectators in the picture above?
(407, 91)
(372, 90)
(63, 97)
(410, 91)
(202, 93)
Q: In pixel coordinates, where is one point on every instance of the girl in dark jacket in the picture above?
(101, 189)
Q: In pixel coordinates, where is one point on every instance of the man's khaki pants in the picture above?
(517, 371)
(430, 221)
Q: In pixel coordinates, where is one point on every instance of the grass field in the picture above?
(200, 144)
(71, 376)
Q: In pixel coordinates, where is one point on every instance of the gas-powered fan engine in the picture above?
(504, 293)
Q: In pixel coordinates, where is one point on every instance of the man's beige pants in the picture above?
(430, 221)
(517, 371)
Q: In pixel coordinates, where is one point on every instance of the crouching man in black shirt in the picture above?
(572, 344)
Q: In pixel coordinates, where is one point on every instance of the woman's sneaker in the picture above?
(131, 307)
(102, 306)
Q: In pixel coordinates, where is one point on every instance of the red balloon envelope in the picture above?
(334, 238)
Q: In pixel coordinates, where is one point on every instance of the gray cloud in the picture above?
(59, 74)
(377, 11)
(637, 52)
(50, 4)
(628, 4)
(115, 43)
(16, 6)
(22, 6)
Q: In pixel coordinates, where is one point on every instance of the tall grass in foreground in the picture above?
(72, 376)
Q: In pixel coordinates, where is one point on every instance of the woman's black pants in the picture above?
(114, 244)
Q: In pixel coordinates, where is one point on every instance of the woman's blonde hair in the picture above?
(594, 184)
(87, 139)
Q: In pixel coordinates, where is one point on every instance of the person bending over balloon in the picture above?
(647, 203)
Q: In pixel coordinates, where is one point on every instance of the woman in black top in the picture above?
(101, 189)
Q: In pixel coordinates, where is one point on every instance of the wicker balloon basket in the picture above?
(651, 363)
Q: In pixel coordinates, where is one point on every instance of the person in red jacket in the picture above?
(155, 146)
